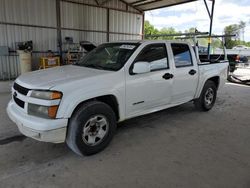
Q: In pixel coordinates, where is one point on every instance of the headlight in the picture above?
(48, 112)
(44, 111)
(47, 95)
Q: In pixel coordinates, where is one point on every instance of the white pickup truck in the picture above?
(82, 103)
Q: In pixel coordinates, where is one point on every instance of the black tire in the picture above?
(200, 103)
(75, 138)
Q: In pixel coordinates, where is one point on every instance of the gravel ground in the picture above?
(177, 147)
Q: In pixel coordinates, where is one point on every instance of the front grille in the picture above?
(21, 89)
(18, 102)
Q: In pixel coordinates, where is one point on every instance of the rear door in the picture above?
(185, 73)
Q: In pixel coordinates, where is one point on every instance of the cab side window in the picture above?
(182, 55)
(156, 55)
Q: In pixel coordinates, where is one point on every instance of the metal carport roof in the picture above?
(145, 5)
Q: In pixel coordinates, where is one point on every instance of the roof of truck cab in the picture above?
(150, 41)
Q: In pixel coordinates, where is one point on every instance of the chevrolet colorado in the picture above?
(80, 104)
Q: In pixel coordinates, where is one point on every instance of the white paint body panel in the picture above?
(38, 128)
(184, 84)
(79, 84)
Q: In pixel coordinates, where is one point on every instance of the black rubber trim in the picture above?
(18, 102)
(21, 89)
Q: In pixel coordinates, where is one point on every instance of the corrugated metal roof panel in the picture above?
(34, 12)
(78, 36)
(119, 37)
(83, 17)
(136, 6)
(116, 4)
(124, 22)
(43, 39)
(92, 2)
(3, 35)
(154, 4)
(9, 67)
(74, 16)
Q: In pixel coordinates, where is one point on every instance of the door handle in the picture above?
(192, 72)
(167, 76)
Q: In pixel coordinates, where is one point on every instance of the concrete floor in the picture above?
(178, 147)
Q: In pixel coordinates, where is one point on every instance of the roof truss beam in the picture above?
(146, 3)
(123, 1)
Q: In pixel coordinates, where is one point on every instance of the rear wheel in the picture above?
(91, 128)
(207, 98)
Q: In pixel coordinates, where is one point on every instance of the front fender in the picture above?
(73, 99)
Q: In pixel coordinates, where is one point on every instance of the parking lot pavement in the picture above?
(177, 147)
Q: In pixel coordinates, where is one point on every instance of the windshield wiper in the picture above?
(76, 63)
(94, 66)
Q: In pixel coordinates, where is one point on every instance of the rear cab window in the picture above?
(182, 55)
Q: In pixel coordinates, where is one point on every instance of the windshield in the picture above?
(110, 56)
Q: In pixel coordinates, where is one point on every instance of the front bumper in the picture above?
(47, 130)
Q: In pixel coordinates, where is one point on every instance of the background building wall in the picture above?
(36, 20)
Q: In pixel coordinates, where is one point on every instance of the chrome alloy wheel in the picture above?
(95, 130)
(209, 96)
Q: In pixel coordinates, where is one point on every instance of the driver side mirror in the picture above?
(141, 67)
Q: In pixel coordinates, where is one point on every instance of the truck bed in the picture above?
(217, 58)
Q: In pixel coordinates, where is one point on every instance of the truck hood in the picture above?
(46, 79)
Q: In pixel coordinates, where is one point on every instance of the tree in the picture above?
(168, 31)
(235, 29)
(230, 30)
(242, 26)
(149, 30)
(190, 30)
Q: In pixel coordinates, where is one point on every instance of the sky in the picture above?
(194, 14)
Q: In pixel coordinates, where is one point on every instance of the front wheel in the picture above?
(207, 97)
(91, 128)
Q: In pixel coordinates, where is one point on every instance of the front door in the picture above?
(146, 91)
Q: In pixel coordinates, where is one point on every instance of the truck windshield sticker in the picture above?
(128, 47)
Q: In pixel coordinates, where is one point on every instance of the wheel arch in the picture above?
(215, 79)
(109, 99)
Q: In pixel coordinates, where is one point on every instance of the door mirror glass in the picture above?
(141, 67)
